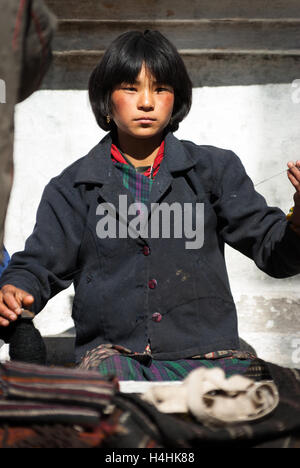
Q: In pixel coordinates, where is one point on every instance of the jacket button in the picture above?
(152, 283)
(146, 250)
(156, 317)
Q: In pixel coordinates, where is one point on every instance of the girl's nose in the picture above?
(146, 100)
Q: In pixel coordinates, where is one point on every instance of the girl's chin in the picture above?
(145, 132)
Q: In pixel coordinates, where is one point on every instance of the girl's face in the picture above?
(142, 109)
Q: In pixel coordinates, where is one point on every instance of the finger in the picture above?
(293, 168)
(27, 300)
(10, 301)
(4, 322)
(294, 181)
(24, 299)
(8, 311)
(6, 314)
(14, 298)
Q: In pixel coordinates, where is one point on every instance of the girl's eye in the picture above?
(129, 88)
(161, 89)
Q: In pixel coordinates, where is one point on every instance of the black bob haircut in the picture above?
(123, 61)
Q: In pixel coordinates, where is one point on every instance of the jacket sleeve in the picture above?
(248, 224)
(48, 263)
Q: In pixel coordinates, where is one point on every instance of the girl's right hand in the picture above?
(12, 300)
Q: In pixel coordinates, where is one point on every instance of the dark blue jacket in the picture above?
(125, 293)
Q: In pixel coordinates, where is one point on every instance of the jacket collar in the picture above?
(97, 167)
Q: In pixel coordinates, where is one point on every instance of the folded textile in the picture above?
(33, 412)
(94, 357)
(54, 435)
(214, 399)
(31, 391)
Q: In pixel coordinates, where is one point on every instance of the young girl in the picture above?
(148, 306)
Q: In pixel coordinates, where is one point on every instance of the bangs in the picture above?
(133, 54)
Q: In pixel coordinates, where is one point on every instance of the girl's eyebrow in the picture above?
(155, 82)
(138, 83)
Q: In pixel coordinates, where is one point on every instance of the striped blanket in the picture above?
(34, 393)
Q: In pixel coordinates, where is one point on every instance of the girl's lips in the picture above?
(145, 120)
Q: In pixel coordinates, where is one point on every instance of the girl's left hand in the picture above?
(294, 176)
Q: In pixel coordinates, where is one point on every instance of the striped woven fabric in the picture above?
(126, 368)
(125, 364)
(55, 384)
(148, 171)
(19, 411)
(35, 392)
(139, 185)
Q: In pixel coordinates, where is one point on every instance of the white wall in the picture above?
(260, 123)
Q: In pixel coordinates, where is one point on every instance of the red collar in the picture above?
(117, 157)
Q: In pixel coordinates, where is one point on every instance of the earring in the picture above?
(108, 119)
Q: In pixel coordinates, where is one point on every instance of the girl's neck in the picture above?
(140, 152)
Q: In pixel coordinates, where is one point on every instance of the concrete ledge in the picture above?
(61, 348)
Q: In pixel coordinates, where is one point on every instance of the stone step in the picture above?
(222, 43)
(223, 34)
(71, 69)
(170, 9)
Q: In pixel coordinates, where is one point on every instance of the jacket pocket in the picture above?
(88, 309)
(209, 282)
